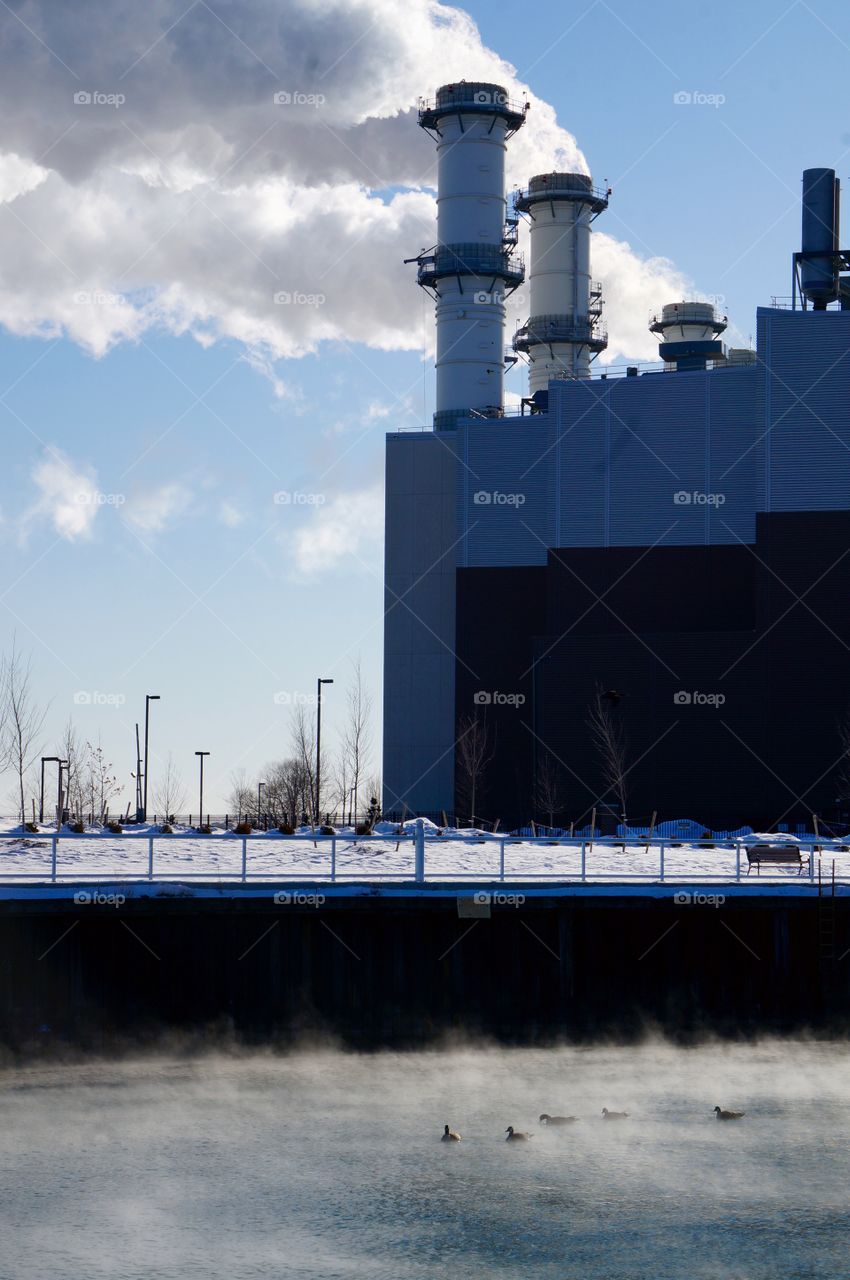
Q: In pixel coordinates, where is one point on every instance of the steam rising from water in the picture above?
(324, 1164)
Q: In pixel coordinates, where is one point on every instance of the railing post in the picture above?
(501, 859)
(661, 858)
(738, 860)
(150, 857)
(812, 863)
(583, 861)
(333, 858)
(53, 859)
(244, 859)
(419, 851)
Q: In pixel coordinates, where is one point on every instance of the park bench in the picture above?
(780, 855)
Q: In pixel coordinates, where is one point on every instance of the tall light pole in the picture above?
(319, 684)
(45, 760)
(201, 799)
(149, 698)
(63, 764)
(260, 786)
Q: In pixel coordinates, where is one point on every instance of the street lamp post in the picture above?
(260, 786)
(63, 764)
(46, 760)
(149, 698)
(201, 754)
(319, 684)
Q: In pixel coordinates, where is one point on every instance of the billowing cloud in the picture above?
(153, 181)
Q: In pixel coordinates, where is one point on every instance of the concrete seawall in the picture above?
(397, 965)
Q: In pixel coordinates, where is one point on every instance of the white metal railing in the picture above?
(818, 857)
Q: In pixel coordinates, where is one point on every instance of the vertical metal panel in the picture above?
(805, 409)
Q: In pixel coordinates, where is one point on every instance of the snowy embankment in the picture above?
(452, 855)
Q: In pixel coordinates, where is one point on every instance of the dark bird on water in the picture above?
(450, 1135)
(513, 1136)
(614, 1115)
(728, 1115)
(546, 1119)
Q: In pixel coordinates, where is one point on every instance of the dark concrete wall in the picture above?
(388, 973)
(766, 627)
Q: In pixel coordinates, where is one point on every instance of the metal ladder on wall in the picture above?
(826, 917)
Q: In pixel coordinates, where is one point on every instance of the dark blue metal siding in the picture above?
(505, 492)
(804, 411)
(657, 459)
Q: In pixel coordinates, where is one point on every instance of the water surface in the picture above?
(323, 1165)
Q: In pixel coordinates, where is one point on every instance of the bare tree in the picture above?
(71, 751)
(357, 737)
(373, 813)
(548, 788)
(473, 753)
(608, 735)
(100, 784)
(288, 792)
(169, 796)
(342, 790)
(24, 721)
(303, 736)
(240, 798)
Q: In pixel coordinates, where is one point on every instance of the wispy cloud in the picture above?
(68, 499)
(153, 511)
(229, 514)
(347, 527)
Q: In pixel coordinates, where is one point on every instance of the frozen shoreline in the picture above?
(382, 857)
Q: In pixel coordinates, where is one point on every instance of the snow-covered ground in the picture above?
(456, 854)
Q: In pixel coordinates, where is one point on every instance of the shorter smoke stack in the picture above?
(564, 330)
(689, 333)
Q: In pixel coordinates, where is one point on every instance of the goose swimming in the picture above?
(513, 1136)
(728, 1115)
(450, 1135)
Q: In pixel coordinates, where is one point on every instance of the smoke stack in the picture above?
(473, 266)
(689, 333)
(818, 264)
(564, 330)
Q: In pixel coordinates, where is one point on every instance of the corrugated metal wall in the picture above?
(804, 411)
(419, 622)
(667, 458)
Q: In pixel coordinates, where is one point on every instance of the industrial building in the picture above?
(662, 555)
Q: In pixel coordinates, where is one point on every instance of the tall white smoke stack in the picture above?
(473, 266)
(564, 329)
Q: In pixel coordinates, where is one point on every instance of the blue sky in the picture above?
(183, 576)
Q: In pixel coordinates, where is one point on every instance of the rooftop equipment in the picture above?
(689, 333)
(816, 267)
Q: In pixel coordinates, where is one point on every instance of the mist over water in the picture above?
(325, 1164)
